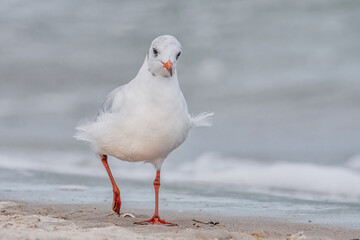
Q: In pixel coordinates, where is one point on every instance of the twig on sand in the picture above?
(207, 223)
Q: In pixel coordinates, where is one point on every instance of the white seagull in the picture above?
(146, 119)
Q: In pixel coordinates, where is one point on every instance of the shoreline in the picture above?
(20, 220)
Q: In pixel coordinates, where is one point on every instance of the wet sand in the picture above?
(74, 221)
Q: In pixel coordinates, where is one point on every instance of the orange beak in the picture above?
(168, 66)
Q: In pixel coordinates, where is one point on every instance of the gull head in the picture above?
(163, 56)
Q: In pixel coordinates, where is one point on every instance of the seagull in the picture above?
(145, 119)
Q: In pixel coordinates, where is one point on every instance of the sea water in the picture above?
(282, 78)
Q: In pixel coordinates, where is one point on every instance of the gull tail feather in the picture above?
(202, 119)
(83, 132)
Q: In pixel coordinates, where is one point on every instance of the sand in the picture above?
(20, 220)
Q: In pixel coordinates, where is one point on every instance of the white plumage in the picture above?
(147, 118)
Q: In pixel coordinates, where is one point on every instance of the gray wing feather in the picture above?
(107, 105)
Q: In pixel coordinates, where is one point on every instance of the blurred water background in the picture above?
(281, 76)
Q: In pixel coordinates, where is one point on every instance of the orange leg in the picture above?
(156, 219)
(116, 201)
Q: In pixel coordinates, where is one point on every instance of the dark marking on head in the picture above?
(151, 72)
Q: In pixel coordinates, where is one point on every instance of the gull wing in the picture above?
(107, 106)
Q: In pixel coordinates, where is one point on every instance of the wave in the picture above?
(307, 179)
(296, 179)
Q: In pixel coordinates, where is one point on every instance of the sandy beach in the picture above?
(71, 221)
(281, 160)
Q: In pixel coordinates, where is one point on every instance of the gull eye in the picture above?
(155, 51)
(178, 55)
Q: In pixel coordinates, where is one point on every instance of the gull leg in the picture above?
(156, 220)
(116, 201)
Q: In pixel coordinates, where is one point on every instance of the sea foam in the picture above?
(334, 181)
(295, 179)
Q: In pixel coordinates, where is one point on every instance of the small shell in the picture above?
(127, 215)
